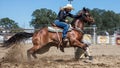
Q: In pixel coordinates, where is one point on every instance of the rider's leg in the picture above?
(63, 25)
(65, 30)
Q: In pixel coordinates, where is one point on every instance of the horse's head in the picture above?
(83, 16)
(86, 16)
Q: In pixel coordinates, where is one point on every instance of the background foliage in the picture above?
(42, 17)
(104, 19)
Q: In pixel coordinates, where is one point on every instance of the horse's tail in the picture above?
(17, 38)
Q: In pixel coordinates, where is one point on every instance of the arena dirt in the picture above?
(104, 56)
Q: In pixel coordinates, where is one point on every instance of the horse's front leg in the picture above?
(77, 43)
(80, 53)
(87, 54)
(80, 50)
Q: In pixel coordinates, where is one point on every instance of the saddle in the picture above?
(54, 28)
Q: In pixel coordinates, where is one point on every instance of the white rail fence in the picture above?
(95, 39)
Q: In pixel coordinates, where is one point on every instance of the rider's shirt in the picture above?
(63, 14)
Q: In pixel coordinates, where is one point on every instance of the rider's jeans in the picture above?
(63, 25)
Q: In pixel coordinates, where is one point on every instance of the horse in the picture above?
(44, 36)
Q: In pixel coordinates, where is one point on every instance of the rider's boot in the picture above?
(64, 41)
(62, 48)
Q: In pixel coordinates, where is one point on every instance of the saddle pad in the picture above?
(52, 29)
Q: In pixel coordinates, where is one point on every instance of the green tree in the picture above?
(105, 20)
(7, 23)
(42, 17)
(97, 13)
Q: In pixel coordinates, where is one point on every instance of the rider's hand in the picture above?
(66, 21)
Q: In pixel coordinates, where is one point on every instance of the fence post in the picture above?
(94, 34)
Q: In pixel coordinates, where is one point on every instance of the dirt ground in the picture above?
(104, 56)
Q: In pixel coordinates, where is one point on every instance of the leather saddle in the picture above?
(54, 28)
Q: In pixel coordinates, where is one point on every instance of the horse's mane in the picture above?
(73, 21)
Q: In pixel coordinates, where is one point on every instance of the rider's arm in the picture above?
(74, 16)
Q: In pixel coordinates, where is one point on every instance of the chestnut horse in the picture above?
(43, 36)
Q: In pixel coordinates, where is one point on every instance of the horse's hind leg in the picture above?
(29, 54)
(32, 51)
(34, 55)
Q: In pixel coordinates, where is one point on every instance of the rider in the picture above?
(62, 22)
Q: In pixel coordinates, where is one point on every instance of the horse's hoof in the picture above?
(35, 57)
(85, 55)
(90, 57)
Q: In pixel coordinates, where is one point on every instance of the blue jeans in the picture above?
(63, 25)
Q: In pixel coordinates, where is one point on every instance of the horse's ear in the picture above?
(84, 9)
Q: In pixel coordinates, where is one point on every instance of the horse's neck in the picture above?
(79, 24)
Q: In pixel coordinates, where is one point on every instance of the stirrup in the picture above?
(65, 40)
